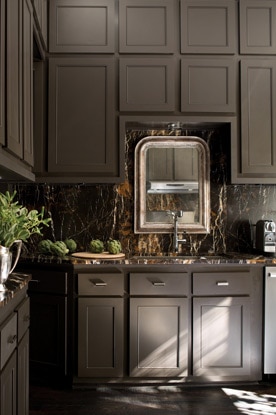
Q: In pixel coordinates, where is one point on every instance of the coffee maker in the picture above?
(266, 236)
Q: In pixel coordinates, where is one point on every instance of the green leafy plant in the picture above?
(16, 222)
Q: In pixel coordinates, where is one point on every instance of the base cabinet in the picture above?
(14, 357)
(100, 325)
(158, 337)
(100, 350)
(221, 336)
(158, 331)
(8, 387)
(51, 344)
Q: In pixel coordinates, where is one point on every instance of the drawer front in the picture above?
(222, 283)
(101, 284)
(159, 284)
(8, 333)
(23, 318)
(48, 282)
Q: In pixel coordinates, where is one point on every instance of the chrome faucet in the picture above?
(177, 214)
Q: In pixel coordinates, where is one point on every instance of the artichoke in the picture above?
(71, 244)
(114, 246)
(96, 246)
(59, 248)
(44, 246)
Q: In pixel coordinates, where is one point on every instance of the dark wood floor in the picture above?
(146, 400)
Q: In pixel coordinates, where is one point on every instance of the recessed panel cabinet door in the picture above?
(81, 118)
(100, 337)
(257, 27)
(81, 26)
(27, 56)
(2, 72)
(14, 77)
(221, 336)
(258, 115)
(158, 337)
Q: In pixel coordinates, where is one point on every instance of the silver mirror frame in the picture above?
(140, 174)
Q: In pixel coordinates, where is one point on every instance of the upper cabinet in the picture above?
(16, 154)
(146, 84)
(83, 26)
(208, 26)
(256, 163)
(146, 26)
(40, 8)
(257, 27)
(2, 71)
(208, 85)
(82, 140)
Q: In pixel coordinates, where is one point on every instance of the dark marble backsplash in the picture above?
(85, 212)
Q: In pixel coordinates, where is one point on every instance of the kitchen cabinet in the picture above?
(50, 330)
(147, 26)
(2, 71)
(19, 26)
(208, 27)
(82, 26)
(257, 27)
(256, 161)
(82, 141)
(147, 84)
(40, 8)
(223, 341)
(8, 387)
(158, 333)
(14, 356)
(208, 85)
(100, 325)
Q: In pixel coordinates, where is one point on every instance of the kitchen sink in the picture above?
(177, 259)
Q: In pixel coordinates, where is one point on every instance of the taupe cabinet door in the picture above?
(20, 79)
(258, 115)
(158, 337)
(100, 337)
(2, 71)
(81, 117)
(14, 77)
(221, 336)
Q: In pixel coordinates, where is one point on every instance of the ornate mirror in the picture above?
(172, 174)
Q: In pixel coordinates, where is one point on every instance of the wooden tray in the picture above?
(103, 255)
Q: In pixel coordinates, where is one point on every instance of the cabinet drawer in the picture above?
(8, 334)
(23, 318)
(222, 283)
(158, 284)
(101, 284)
(48, 282)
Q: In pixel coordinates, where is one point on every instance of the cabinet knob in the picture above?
(26, 318)
(222, 283)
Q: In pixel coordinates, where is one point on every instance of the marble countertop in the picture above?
(157, 258)
(15, 283)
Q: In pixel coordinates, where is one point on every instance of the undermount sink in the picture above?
(176, 259)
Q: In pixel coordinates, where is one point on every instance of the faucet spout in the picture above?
(176, 241)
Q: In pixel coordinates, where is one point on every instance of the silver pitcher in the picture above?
(6, 266)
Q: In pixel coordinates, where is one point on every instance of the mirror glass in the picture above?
(172, 174)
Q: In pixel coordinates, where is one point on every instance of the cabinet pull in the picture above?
(271, 274)
(158, 284)
(26, 318)
(220, 283)
(12, 339)
(99, 283)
